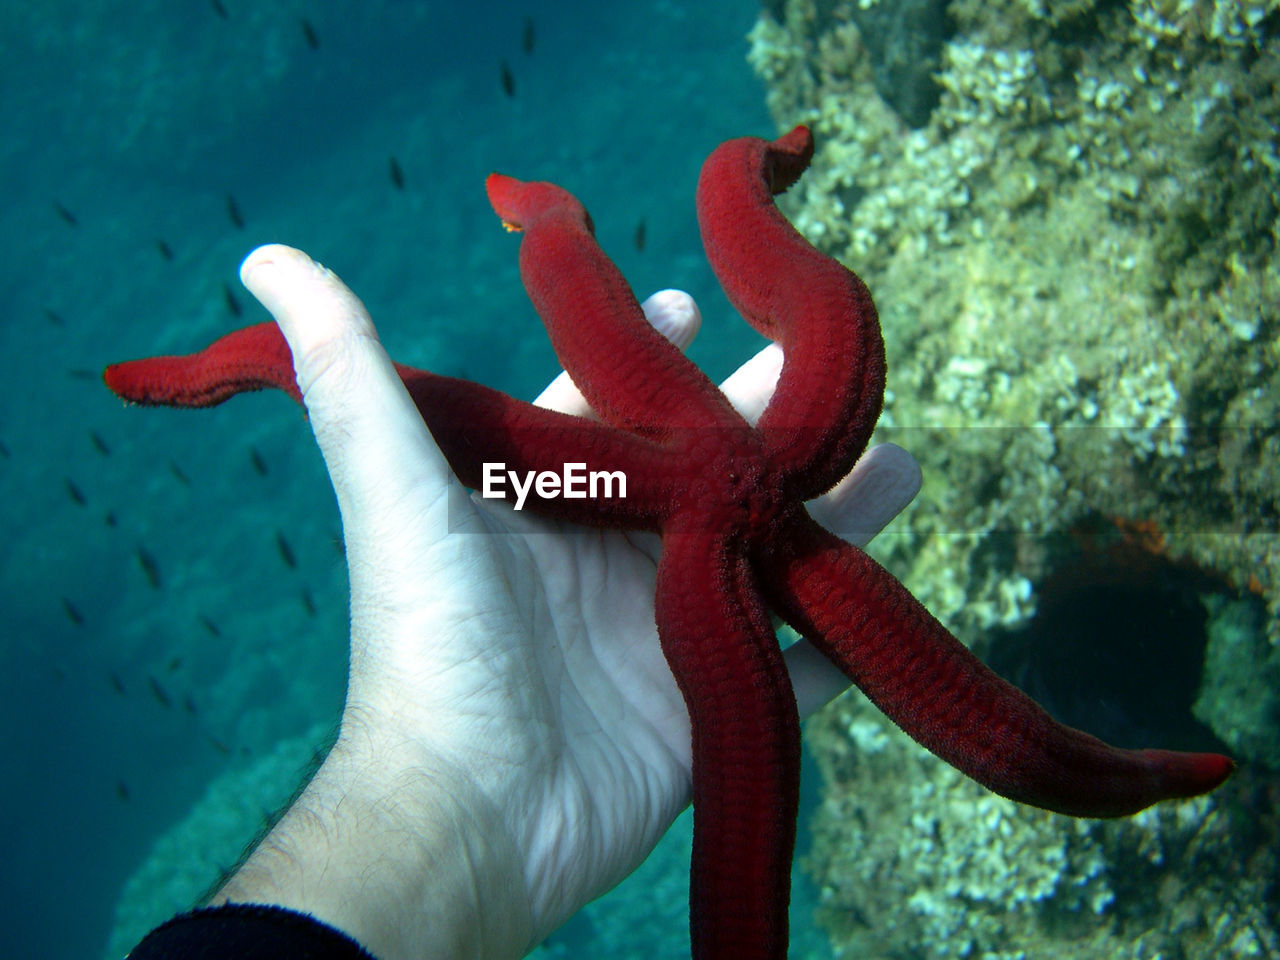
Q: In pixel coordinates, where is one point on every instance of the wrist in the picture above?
(400, 852)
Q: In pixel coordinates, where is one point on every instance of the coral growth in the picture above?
(1080, 248)
(913, 860)
(1075, 256)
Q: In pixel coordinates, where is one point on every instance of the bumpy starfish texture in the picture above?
(736, 539)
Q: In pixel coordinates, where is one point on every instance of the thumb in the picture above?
(377, 449)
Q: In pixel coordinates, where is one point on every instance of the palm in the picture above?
(577, 715)
(496, 658)
(543, 660)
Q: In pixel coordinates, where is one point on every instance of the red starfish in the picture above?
(728, 501)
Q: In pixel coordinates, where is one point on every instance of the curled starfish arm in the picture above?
(717, 639)
(629, 373)
(832, 383)
(473, 424)
(673, 313)
(254, 358)
(946, 699)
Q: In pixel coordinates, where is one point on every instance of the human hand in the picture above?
(513, 743)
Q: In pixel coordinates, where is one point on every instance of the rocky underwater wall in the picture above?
(1068, 212)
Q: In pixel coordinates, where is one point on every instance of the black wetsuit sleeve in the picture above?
(247, 931)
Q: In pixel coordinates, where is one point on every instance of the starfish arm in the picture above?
(629, 373)
(673, 313)
(946, 699)
(473, 424)
(254, 358)
(832, 383)
(746, 747)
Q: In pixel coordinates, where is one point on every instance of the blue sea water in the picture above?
(122, 699)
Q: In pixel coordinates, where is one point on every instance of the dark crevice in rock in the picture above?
(1117, 644)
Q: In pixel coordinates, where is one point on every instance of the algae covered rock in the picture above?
(1074, 256)
(914, 860)
(1080, 245)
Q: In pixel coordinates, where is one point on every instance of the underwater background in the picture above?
(154, 636)
(1066, 209)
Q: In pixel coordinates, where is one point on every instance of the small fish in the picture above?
(54, 318)
(309, 33)
(339, 544)
(122, 790)
(189, 705)
(175, 664)
(210, 626)
(219, 9)
(528, 37)
(149, 567)
(178, 474)
(164, 249)
(308, 602)
(286, 551)
(82, 373)
(233, 211)
(232, 303)
(218, 745)
(397, 175)
(159, 693)
(116, 683)
(110, 519)
(74, 492)
(508, 80)
(68, 217)
(259, 465)
(99, 444)
(639, 237)
(73, 612)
